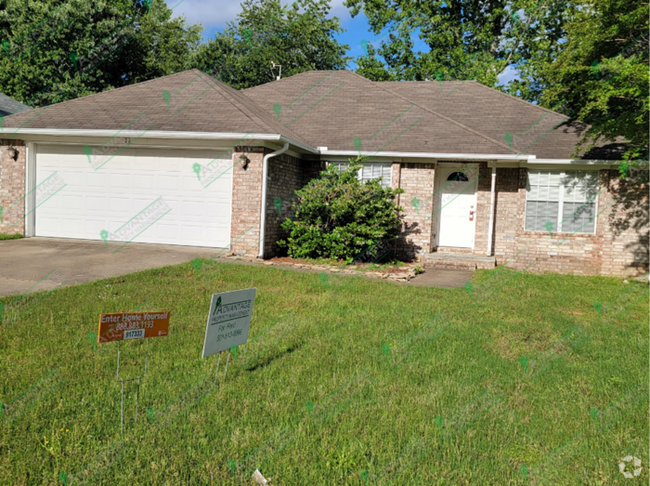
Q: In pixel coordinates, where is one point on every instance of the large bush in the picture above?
(339, 217)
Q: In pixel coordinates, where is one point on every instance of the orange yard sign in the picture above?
(133, 325)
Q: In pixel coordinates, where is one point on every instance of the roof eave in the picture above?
(244, 138)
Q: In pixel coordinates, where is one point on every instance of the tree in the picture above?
(372, 68)
(468, 40)
(337, 216)
(265, 33)
(53, 51)
(602, 73)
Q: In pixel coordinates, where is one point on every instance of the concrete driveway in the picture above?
(48, 262)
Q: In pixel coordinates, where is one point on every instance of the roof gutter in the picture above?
(423, 155)
(265, 170)
(244, 138)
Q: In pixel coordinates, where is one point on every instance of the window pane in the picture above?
(543, 186)
(375, 171)
(580, 186)
(538, 213)
(579, 217)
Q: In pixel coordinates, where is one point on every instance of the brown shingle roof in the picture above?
(337, 109)
(190, 101)
(333, 108)
(494, 113)
(460, 117)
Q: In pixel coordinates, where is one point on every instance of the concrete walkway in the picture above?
(434, 277)
(25, 262)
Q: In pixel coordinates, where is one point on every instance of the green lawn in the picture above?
(433, 396)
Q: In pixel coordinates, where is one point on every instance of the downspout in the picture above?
(265, 171)
(491, 224)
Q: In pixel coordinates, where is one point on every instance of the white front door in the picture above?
(457, 205)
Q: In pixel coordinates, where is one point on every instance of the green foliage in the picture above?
(372, 68)
(46, 44)
(299, 37)
(465, 40)
(5, 236)
(603, 73)
(337, 216)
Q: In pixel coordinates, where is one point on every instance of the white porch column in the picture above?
(491, 224)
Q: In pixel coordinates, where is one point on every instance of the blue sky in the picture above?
(213, 15)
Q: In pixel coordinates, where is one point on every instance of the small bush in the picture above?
(337, 216)
(5, 236)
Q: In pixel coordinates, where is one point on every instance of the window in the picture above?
(561, 202)
(371, 171)
(458, 176)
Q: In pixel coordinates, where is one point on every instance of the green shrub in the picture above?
(5, 236)
(337, 216)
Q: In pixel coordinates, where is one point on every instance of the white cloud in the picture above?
(215, 13)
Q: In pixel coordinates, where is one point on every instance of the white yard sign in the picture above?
(228, 320)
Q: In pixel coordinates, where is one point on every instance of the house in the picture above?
(487, 178)
(9, 106)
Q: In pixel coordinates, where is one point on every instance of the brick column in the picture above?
(12, 187)
(246, 202)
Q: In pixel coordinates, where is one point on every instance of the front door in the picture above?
(457, 205)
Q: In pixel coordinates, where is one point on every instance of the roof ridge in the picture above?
(238, 105)
(292, 77)
(465, 127)
(261, 118)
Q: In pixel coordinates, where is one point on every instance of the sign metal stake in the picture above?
(137, 399)
(219, 361)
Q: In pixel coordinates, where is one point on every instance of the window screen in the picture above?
(371, 171)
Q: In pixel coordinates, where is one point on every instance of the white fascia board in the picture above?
(420, 155)
(243, 138)
(139, 133)
(572, 163)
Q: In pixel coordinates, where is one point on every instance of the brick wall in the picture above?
(619, 246)
(246, 203)
(12, 187)
(482, 209)
(286, 175)
(417, 181)
(625, 236)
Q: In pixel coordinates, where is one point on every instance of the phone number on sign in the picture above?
(127, 326)
(230, 334)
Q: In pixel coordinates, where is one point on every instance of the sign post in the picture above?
(228, 322)
(133, 325)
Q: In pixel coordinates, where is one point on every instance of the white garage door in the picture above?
(139, 195)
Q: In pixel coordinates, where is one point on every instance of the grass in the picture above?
(5, 236)
(341, 334)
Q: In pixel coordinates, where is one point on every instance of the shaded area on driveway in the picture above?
(24, 262)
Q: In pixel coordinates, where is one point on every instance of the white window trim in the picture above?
(561, 202)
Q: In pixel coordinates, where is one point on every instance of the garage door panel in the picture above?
(123, 181)
(113, 195)
(71, 202)
(168, 183)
